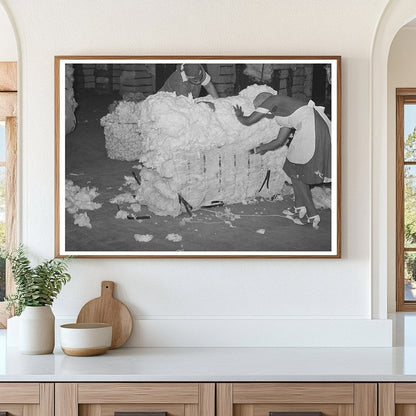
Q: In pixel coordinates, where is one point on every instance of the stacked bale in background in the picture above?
(125, 78)
(287, 79)
(70, 103)
(103, 78)
(116, 71)
(223, 77)
(85, 75)
(136, 78)
(294, 80)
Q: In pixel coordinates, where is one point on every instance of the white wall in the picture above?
(203, 302)
(8, 46)
(401, 74)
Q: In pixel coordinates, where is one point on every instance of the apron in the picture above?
(302, 147)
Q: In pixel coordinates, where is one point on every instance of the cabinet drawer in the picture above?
(19, 393)
(296, 399)
(21, 399)
(146, 399)
(138, 393)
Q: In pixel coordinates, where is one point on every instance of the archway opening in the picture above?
(401, 94)
(383, 208)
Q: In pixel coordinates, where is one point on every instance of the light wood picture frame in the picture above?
(198, 156)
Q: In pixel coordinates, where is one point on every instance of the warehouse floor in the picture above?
(256, 226)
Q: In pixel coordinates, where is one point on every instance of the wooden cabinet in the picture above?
(27, 399)
(222, 399)
(397, 399)
(262, 399)
(208, 399)
(106, 399)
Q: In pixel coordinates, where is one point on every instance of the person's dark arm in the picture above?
(211, 90)
(254, 117)
(208, 103)
(279, 141)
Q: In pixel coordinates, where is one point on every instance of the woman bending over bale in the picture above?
(308, 159)
(188, 79)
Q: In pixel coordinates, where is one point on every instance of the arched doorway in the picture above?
(395, 16)
(8, 45)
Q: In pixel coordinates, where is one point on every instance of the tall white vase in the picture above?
(37, 330)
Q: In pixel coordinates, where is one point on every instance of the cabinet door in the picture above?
(26, 399)
(142, 399)
(297, 399)
(397, 399)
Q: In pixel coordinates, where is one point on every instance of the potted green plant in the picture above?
(36, 289)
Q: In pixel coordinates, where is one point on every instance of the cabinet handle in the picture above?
(138, 414)
(295, 413)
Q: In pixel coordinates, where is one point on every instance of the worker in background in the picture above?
(188, 79)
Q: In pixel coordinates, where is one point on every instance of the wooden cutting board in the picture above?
(108, 310)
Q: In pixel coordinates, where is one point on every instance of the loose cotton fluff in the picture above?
(82, 220)
(143, 238)
(321, 197)
(187, 151)
(80, 199)
(176, 238)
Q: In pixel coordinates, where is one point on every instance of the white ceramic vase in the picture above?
(37, 330)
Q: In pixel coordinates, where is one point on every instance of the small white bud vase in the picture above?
(37, 330)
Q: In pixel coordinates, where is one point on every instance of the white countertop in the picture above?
(215, 364)
(221, 364)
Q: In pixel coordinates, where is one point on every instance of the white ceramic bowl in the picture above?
(85, 339)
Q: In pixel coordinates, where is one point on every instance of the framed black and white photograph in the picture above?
(198, 156)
